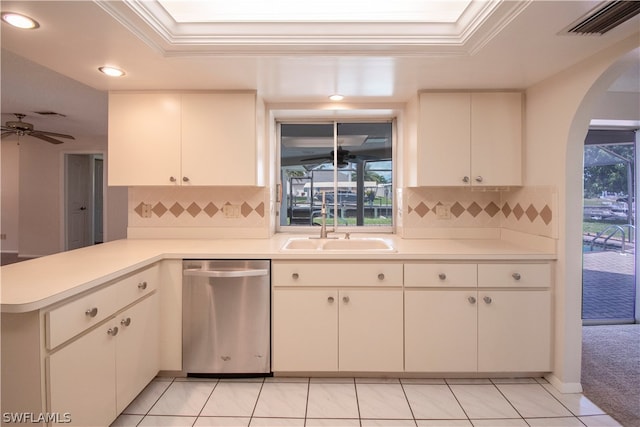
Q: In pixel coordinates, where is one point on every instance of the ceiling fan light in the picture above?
(19, 21)
(111, 71)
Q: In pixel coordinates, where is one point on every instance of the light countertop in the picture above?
(37, 283)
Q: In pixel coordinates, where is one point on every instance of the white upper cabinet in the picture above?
(496, 138)
(469, 138)
(144, 138)
(219, 139)
(195, 138)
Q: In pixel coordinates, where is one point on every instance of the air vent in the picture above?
(49, 113)
(605, 17)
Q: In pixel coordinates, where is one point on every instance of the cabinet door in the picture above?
(370, 333)
(137, 351)
(305, 330)
(496, 138)
(440, 330)
(219, 139)
(444, 139)
(514, 331)
(144, 138)
(82, 378)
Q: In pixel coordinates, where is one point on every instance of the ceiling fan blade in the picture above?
(45, 138)
(6, 133)
(311, 159)
(45, 133)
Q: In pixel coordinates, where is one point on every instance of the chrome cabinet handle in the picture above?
(472, 300)
(126, 322)
(487, 300)
(345, 299)
(172, 178)
(381, 276)
(185, 179)
(330, 300)
(465, 179)
(91, 312)
(442, 276)
(113, 331)
(516, 276)
(479, 178)
(295, 276)
(142, 286)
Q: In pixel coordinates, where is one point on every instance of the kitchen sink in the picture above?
(356, 244)
(367, 244)
(302, 244)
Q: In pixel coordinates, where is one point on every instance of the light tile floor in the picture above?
(361, 402)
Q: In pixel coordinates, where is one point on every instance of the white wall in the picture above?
(39, 211)
(617, 106)
(9, 194)
(559, 110)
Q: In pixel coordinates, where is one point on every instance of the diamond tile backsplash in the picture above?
(529, 210)
(243, 207)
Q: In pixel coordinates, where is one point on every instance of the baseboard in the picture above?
(601, 322)
(563, 387)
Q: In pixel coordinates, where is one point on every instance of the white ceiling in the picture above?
(516, 47)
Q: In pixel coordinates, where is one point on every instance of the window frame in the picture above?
(310, 229)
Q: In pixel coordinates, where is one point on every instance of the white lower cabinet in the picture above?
(498, 320)
(137, 350)
(82, 378)
(305, 330)
(95, 377)
(370, 330)
(441, 330)
(514, 331)
(469, 331)
(318, 330)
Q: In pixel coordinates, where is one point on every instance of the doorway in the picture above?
(609, 223)
(84, 199)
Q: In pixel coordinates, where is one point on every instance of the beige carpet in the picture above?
(611, 370)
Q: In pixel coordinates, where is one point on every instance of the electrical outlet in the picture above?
(443, 212)
(231, 211)
(146, 210)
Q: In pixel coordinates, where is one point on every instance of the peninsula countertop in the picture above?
(37, 283)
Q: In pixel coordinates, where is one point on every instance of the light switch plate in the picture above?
(146, 210)
(443, 212)
(231, 211)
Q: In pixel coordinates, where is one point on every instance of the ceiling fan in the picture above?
(21, 128)
(344, 157)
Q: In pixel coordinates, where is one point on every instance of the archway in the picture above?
(609, 371)
(559, 111)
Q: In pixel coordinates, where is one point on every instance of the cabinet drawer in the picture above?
(514, 275)
(74, 317)
(137, 285)
(441, 275)
(336, 274)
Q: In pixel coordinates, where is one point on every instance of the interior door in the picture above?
(78, 201)
(98, 196)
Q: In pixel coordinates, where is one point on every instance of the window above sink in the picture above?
(349, 163)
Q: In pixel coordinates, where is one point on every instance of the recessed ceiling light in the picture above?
(19, 21)
(111, 71)
(336, 97)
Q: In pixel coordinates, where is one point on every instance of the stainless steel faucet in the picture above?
(323, 217)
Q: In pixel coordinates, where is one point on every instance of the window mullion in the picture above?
(335, 175)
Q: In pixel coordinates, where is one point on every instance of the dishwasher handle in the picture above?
(225, 273)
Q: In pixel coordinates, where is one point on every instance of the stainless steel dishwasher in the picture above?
(226, 311)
